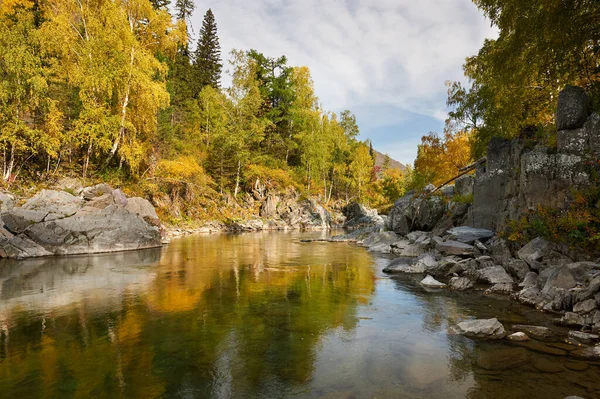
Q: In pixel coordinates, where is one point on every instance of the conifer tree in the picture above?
(184, 10)
(208, 53)
(160, 4)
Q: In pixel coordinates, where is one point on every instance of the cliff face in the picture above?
(517, 178)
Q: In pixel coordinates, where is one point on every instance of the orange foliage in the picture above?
(439, 158)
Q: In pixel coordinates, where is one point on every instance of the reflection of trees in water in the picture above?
(239, 314)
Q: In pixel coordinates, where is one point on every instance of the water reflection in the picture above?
(255, 315)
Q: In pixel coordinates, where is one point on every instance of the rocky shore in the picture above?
(86, 220)
(456, 244)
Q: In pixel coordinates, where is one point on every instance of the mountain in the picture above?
(380, 159)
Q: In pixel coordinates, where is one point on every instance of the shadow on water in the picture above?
(257, 315)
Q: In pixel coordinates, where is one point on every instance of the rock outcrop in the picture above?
(517, 178)
(58, 223)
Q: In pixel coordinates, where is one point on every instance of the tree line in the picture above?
(116, 90)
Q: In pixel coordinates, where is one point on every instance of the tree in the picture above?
(184, 10)
(348, 122)
(160, 4)
(23, 86)
(360, 170)
(542, 46)
(208, 53)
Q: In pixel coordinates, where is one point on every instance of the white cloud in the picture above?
(362, 53)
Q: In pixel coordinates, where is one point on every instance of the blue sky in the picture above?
(385, 60)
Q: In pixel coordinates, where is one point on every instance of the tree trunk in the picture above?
(237, 179)
(124, 105)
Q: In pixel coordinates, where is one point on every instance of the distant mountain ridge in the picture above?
(380, 159)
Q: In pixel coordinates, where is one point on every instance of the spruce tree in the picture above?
(208, 53)
(184, 9)
(160, 4)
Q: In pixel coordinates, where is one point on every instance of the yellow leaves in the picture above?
(184, 168)
(10, 6)
(438, 159)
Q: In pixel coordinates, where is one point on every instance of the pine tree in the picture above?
(160, 4)
(208, 53)
(184, 10)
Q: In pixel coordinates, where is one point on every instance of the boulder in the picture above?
(585, 306)
(58, 223)
(56, 204)
(144, 209)
(461, 283)
(583, 337)
(533, 252)
(464, 185)
(314, 216)
(537, 332)
(401, 265)
(468, 235)
(447, 191)
(486, 329)
(413, 212)
(529, 280)
(571, 319)
(18, 220)
(430, 282)
(499, 251)
(518, 337)
(455, 248)
(89, 193)
(504, 289)
(358, 215)
(517, 268)
(494, 275)
(572, 109)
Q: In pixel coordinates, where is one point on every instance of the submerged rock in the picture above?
(583, 337)
(537, 332)
(487, 329)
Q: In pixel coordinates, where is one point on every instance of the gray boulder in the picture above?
(455, 248)
(401, 265)
(358, 215)
(144, 209)
(582, 337)
(585, 306)
(58, 223)
(494, 275)
(517, 268)
(534, 251)
(469, 235)
(413, 212)
(571, 319)
(56, 204)
(529, 281)
(430, 282)
(518, 337)
(461, 283)
(486, 329)
(572, 109)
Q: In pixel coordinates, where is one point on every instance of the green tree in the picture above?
(208, 53)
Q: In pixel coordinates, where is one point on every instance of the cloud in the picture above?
(364, 55)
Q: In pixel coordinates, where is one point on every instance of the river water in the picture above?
(260, 315)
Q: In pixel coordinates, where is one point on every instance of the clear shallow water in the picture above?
(258, 315)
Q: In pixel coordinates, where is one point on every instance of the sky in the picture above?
(385, 60)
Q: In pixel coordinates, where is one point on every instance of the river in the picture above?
(260, 315)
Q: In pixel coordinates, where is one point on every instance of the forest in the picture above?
(117, 91)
